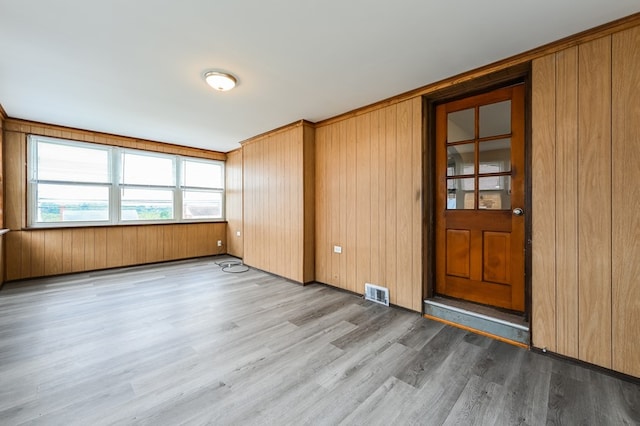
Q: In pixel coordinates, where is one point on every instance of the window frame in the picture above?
(116, 185)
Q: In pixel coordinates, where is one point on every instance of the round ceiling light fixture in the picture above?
(220, 81)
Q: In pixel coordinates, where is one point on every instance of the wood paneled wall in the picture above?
(279, 202)
(41, 252)
(369, 202)
(233, 203)
(2, 260)
(586, 230)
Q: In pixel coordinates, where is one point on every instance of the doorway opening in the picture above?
(478, 192)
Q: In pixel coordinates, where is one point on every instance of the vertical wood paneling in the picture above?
(625, 196)
(37, 254)
(350, 251)
(405, 199)
(333, 226)
(15, 179)
(594, 201)
(100, 248)
(363, 201)
(33, 253)
(309, 205)
(322, 246)
(567, 200)
(90, 249)
(340, 162)
(274, 203)
(233, 203)
(374, 231)
(115, 247)
(417, 206)
(391, 201)
(543, 291)
(67, 250)
(13, 266)
(369, 201)
(380, 182)
(52, 253)
(77, 250)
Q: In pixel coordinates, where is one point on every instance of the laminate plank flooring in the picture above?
(185, 343)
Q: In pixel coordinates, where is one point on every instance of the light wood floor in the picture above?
(184, 343)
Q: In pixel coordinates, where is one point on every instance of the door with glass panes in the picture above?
(480, 225)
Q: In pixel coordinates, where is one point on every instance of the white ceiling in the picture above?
(134, 67)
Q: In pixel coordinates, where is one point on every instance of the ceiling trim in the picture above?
(512, 61)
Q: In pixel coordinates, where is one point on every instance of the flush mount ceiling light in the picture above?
(220, 81)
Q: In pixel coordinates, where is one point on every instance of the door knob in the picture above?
(518, 211)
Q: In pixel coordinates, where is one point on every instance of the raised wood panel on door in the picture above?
(594, 201)
(625, 196)
(369, 202)
(233, 203)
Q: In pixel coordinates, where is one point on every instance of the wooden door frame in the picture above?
(517, 74)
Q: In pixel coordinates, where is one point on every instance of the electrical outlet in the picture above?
(237, 233)
(337, 249)
(219, 243)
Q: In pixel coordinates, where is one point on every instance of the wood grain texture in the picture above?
(274, 203)
(543, 257)
(363, 202)
(566, 198)
(369, 202)
(404, 207)
(417, 204)
(185, 343)
(42, 252)
(233, 203)
(308, 196)
(624, 201)
(594, 201)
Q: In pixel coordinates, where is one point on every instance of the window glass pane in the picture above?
(199, 174)
(71, 203)
(72, 163)
(495, 119)
(495, 156)
(141, 169)
(201, 205)
(495, 192)
(460, 159)
(460, 194)
(461, 125)
(146, 204)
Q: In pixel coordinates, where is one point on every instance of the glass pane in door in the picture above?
(461, 125)
(494, 156)
(495, 119)
(460, 194)
(460, 159)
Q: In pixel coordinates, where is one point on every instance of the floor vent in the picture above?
(376, 294)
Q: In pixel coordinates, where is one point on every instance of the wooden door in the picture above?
(480, 198)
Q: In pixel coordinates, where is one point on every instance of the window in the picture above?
(202, 189)
(80, 184)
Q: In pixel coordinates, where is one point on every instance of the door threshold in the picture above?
(500, 325)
